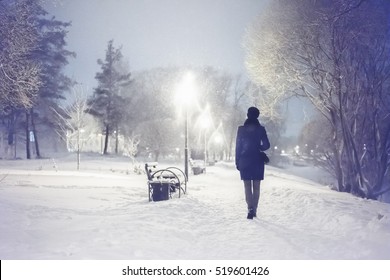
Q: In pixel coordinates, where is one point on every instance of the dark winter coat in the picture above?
(251, 139)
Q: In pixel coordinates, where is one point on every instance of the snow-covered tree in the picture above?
(32, 56)
(336, 54)
(20, 77)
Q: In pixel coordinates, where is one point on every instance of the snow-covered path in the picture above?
(103, 214)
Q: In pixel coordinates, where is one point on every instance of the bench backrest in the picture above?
(150, 168)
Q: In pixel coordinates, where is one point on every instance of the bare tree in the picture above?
(130, 146)
(72, 121)
(335, 54)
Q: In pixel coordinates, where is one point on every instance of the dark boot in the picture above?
(250, 214)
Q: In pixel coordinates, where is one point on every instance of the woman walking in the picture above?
(250, 142)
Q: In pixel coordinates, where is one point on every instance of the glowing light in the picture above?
(218, 139)
(186, 90)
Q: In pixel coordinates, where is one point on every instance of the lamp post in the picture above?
(205, 121)
(185, 95)
(186, 143)
(205, 150)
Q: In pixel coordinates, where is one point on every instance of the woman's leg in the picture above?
(248, 193)
(256, 195)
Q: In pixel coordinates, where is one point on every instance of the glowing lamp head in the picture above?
(185, 90)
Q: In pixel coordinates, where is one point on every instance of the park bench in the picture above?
(197, 166)
(165, 183)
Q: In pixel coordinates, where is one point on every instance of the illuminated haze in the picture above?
(161, 33)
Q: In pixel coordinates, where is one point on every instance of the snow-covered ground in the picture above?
(50, 211)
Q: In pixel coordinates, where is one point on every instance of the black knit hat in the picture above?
(253, 113)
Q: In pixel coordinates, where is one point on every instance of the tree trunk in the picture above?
(11, 135)
(116, 141)
(78, 149)
(35, 134)
(28, 151)
(106, 139)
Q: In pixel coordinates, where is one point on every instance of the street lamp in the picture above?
(185, 95)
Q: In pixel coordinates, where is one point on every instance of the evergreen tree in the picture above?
(53, 56)
(107, 104)
(32, 57)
